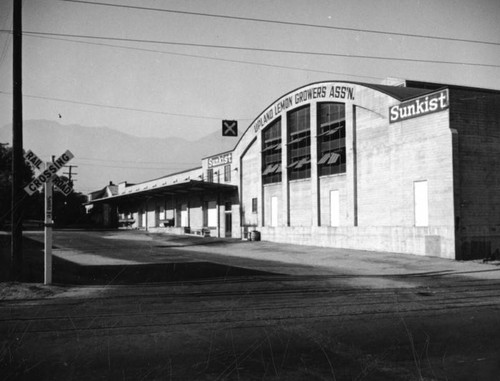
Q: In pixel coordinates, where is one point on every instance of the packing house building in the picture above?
(411, 168)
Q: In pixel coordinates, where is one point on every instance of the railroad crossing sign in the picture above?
(229, 128)
(48, 176)
(48, 172)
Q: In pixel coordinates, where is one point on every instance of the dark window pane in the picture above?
(331, 138)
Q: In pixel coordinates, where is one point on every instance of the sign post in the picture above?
(48, 232)
(47, 178)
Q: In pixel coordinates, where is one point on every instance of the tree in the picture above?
(32, 204)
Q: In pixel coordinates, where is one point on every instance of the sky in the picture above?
(164, 86)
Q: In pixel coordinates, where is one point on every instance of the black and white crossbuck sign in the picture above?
(229, 128)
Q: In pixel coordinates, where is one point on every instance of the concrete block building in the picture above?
(408, 168)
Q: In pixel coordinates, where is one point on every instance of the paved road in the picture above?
(209, 309)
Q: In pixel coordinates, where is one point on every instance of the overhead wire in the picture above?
(206, 57)
(119, 107)
(166, 166)
(133, 161)
(253, 49)
(281, 22)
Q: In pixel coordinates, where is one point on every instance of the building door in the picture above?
(184, 215)
(334, 208)
(421, 200)
(142, 219)
(228, 220)
(274, 211)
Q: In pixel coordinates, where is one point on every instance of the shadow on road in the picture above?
(67, 272)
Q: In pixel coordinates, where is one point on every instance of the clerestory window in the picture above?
(331, 138)
(271, 153)
(299, 143)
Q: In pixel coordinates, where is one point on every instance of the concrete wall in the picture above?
(408, 240)
(300, 202)
(250, 186)
(390, 158)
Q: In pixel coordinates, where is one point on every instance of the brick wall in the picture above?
(476, 117)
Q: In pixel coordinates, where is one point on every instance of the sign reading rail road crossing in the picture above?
(47, 177)
(34, 160)
(48, 173)
(63, 185)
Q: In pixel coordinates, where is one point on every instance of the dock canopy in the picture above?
(179, 188)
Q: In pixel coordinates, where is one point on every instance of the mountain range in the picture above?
(103, 155)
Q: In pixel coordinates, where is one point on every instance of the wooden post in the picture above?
(48, 232)
(17, 147)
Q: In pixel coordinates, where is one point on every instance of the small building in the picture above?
(408, 168)
(102, 214)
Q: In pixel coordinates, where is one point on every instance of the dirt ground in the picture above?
(137, 306)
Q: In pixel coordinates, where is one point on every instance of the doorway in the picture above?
(228, 223)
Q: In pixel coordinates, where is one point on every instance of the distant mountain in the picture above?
(103, 154)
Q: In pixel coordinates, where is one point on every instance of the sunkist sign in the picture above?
(225, 158)
(423, 105)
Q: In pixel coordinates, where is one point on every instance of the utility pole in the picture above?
(17, 146)
(70, 173)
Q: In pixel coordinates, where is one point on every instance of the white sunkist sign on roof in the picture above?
(426, 104)
(222, 159)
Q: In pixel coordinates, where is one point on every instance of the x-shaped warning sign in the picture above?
(229, 128)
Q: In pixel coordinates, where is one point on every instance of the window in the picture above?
(299, 144)
(254, 205)
(421, 203)
(331, 138)
(271, 153)
(212, 214)
(210, 175)
(227, 173)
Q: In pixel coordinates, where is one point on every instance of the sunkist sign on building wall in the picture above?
(225, 158)
(321, 91)
(423, 105)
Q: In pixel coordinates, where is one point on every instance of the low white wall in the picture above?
(436, 241)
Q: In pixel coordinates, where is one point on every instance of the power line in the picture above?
(253, 49)
(136, 162)
(205, 57)
(165, 167)
(118, 107)
(287, 23)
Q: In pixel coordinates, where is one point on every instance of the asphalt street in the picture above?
(131, 305)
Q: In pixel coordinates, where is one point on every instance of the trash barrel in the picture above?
(255, 235)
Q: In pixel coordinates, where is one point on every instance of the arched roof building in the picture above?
(409, 169)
